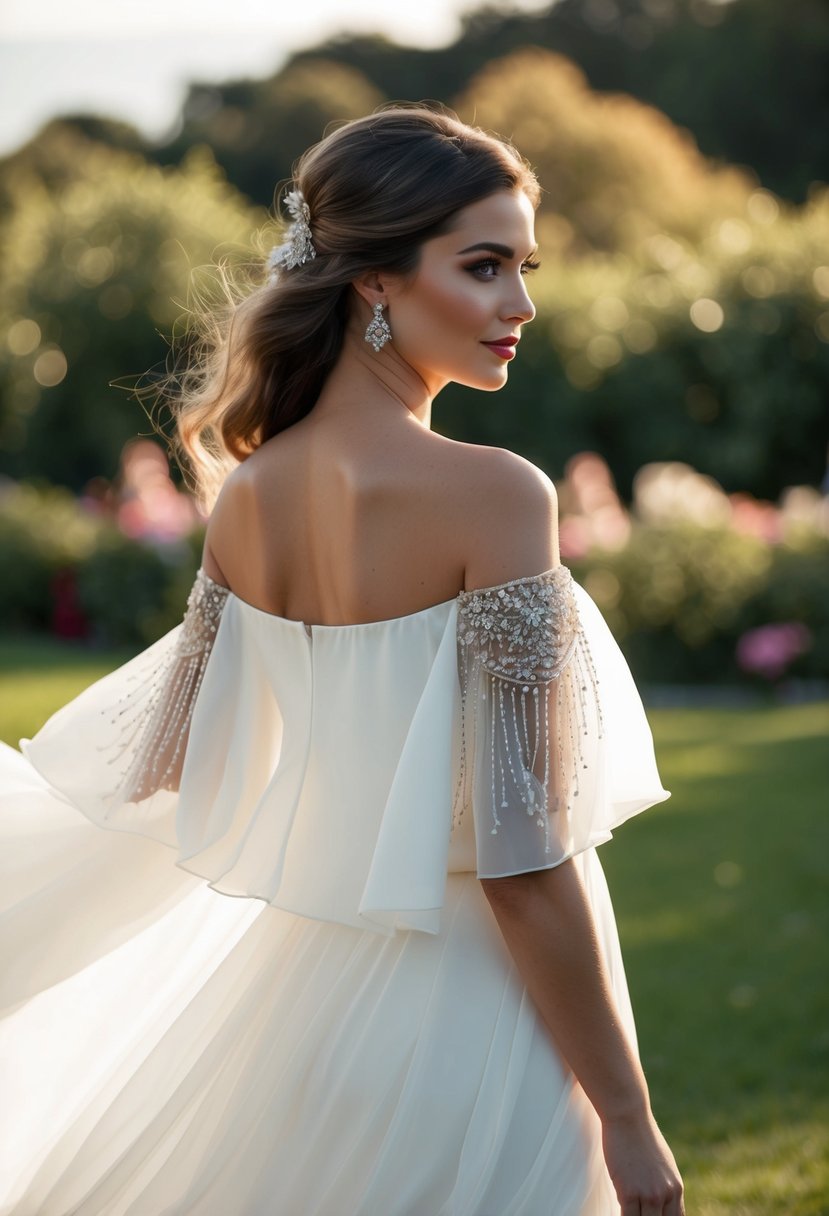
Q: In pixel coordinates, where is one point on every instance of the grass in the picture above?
(38, 675)
(720, 895)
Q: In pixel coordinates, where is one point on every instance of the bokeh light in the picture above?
(707, 315)
(50, 367)
(23, 337)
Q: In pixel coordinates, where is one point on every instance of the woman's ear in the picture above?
(371, 287)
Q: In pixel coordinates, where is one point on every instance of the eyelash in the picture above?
(526, 267)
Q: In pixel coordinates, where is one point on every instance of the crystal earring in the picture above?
(378, 332)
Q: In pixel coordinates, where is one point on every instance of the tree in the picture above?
(614, 171)
(96, 270)
(257, 129)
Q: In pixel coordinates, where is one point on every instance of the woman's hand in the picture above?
(642, 1167)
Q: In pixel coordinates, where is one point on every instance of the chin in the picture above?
(487, 384)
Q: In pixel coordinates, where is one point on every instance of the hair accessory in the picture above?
(297, 247)
(378, 332)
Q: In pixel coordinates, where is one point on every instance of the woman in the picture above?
(392, 722)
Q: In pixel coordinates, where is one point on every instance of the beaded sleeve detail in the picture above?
(154, 721)
(530, 718)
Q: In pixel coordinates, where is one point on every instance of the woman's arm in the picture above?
(548, 926)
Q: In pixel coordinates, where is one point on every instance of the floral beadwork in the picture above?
(528, 688)
(154, 721)
(524, 630)
(298, 246)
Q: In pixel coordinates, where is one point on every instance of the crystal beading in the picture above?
(378, 332)
(154, 721)
(526, 673)
(298, 247)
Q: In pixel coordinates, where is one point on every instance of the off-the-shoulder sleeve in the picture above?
(531, 725)
(154, 722)
(116, 751)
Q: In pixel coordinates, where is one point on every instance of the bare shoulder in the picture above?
(226, 522)
(508, 509)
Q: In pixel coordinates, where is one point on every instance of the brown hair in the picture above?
(376, 188)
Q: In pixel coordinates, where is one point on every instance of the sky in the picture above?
(134, 62)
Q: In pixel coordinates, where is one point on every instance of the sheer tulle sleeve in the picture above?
(117, 750)
(532, 759)
(154, 722)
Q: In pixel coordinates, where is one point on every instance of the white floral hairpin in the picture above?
(297, 247)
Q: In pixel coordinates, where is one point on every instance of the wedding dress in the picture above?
(349, 1036)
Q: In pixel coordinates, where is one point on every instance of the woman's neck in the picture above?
(363, 381)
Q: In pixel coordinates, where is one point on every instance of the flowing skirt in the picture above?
(171, 1051)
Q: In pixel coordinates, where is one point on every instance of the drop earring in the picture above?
(378, 332)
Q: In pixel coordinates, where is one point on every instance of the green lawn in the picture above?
(721, 899)
(720, 895)
(38, 675)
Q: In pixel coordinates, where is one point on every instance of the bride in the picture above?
(392, 725)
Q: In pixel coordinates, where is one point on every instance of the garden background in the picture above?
(674, 385)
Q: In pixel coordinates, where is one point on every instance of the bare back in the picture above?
(331, 522)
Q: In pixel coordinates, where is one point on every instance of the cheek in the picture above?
(458, 306)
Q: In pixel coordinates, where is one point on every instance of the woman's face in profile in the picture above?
(459, 316)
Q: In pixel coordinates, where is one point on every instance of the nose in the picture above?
(520, 307)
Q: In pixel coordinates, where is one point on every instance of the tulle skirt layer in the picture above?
(171, 1051)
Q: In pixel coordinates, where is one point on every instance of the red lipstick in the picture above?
(504, 347)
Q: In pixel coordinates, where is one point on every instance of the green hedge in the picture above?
(678, 598)
(125, 592)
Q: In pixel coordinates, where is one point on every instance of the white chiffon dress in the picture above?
(349, 1036)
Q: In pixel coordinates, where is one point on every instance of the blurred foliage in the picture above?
(97, 252)
(60, 153)
(42, 530)
(746, 77)
(677, 598)
(131, 592)
(691, 578)
(258, 128)
(678, 56)
(614, 171)
(128, 592)
(683, 311)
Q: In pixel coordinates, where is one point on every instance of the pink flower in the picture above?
(769, 649)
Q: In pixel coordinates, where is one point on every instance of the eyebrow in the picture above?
(490, 247)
